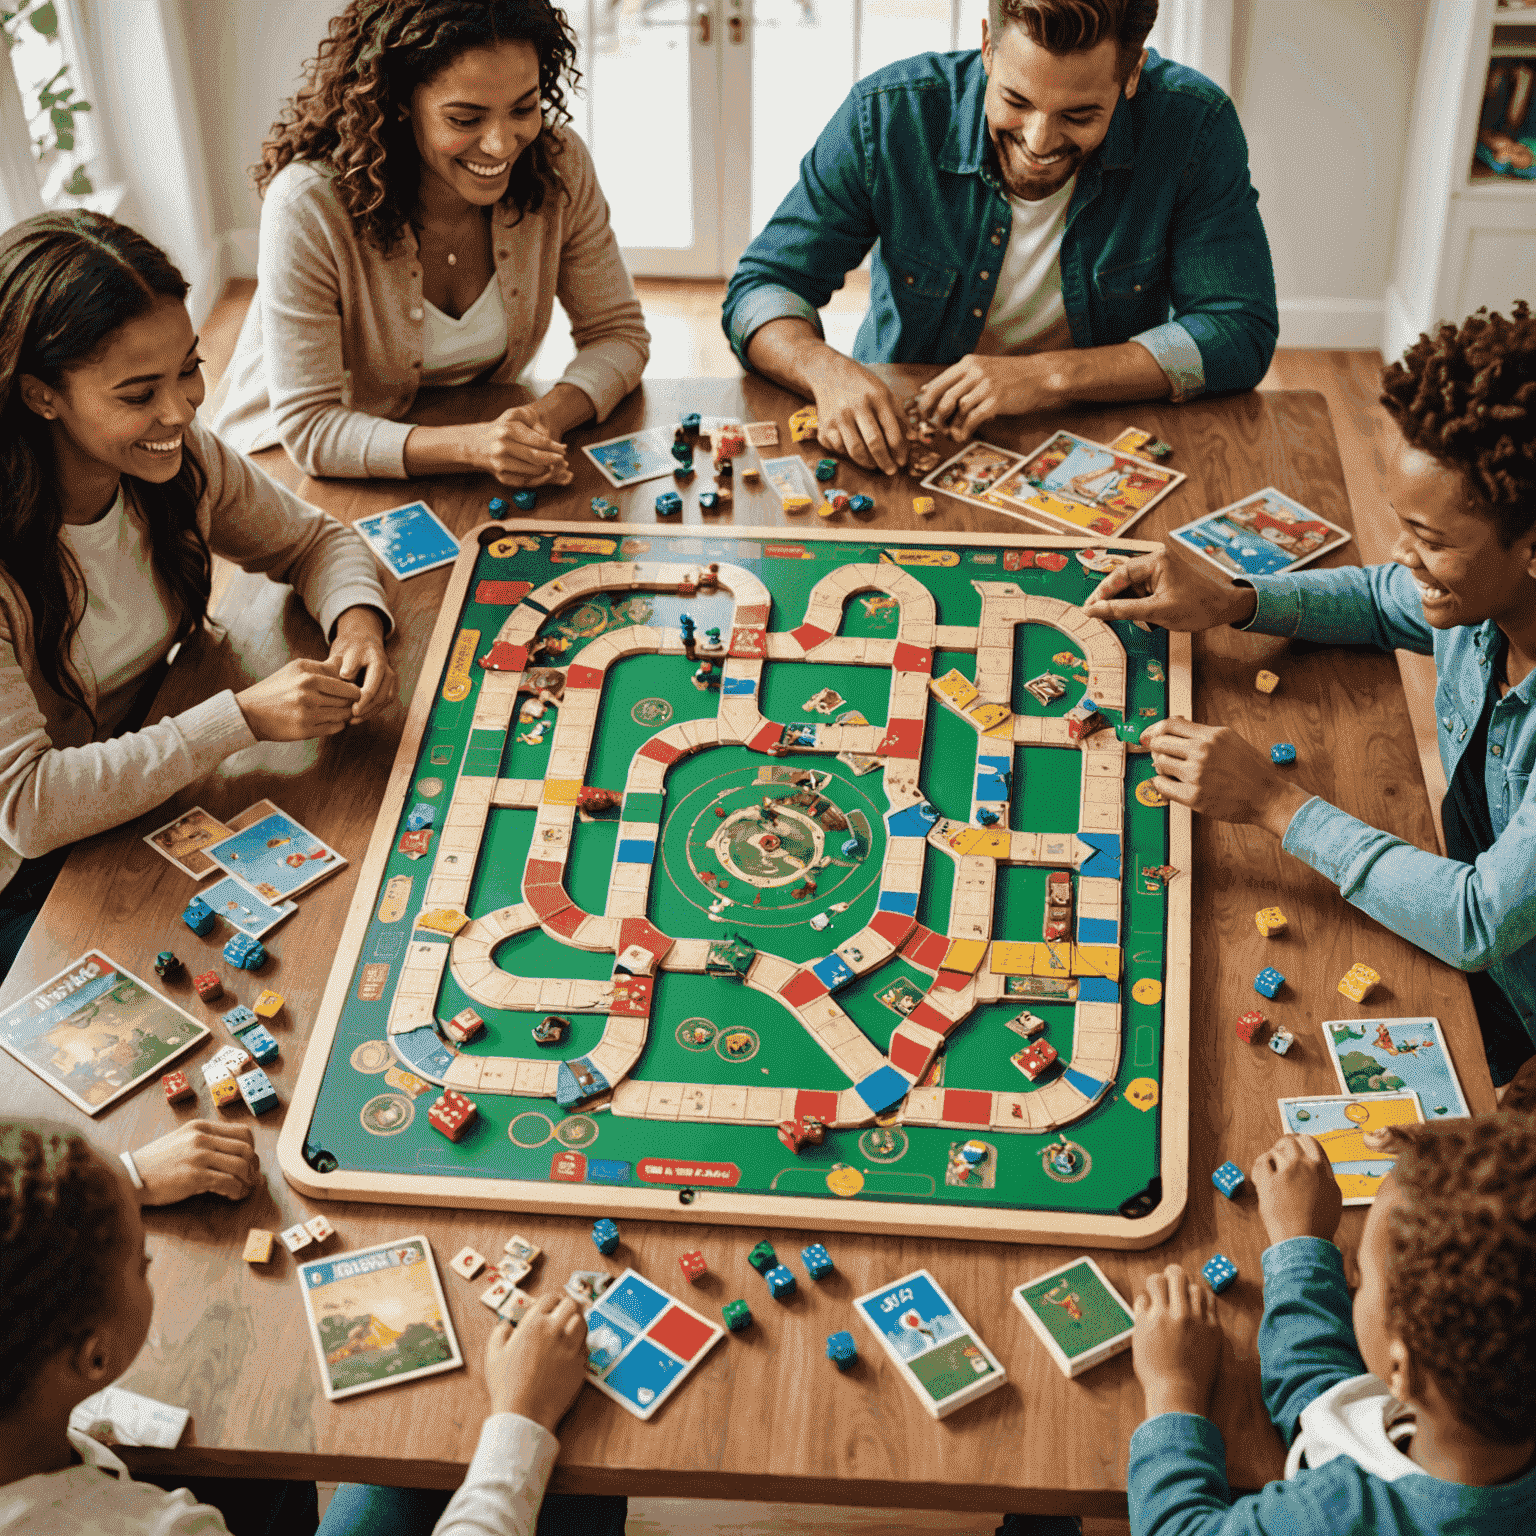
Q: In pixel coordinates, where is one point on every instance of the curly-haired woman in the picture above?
(1462, 587)
(425, 204)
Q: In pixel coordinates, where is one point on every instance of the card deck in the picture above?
(408, 540)
(634, 457)
(276, 856)
(182, 841)
(1079, 1316)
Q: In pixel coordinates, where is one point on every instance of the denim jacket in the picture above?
(1478, 916)
(1163, 244)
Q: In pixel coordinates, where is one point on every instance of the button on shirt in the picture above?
(1028, 312)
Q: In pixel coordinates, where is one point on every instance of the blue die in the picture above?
(495, 506)
(238, 1018)
(525, 501)
(199, 917)
(245, 953)
(708, 500)
(1268, 981)
(605, 1235)
(668, 504)
(841, 1350)
(781, 1281)
(1219, 1272)
(861, 503)
(420, 815)
(1282, 752)
(817, 1261)
(259, 1042)
(1228, 1179)
(257, 1091)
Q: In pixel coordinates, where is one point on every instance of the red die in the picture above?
(1249, 1024)
(177, 1088)
(1034, 1059)
(792, 1135)
(693, 1265)
(208, 986)
(452, 1114)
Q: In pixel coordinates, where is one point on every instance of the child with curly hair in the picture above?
(1462, 587)
(1412, 1411)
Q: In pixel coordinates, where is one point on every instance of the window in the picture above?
(54, 101)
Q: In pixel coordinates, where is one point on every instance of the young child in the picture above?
(1417, 1415)
(75, 1308)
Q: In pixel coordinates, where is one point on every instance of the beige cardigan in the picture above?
(57, 784)
(329, 358)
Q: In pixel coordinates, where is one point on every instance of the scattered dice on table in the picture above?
(605, 1235)
(1219, 1272)
(841, 1350)
(1228, 1179)
(737, 1315)
(1268, 981)
(692, 1265)
(781, 1281)
(818, 1262)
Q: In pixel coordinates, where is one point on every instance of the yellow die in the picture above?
(1270, 921)
(923, 505)
(1359, 982)
(258, 1246)
(796, 503)
(268, 1005)
(224, 1091)
(1266, 682)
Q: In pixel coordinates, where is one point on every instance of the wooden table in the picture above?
(766, 1417)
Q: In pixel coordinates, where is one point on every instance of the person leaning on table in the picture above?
(425, 204)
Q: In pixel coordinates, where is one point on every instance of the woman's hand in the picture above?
(1213, 770)
(518, 449)
(300, 701)
(358, 651)
(200, 1157)
(1158, 589)
(538, 1369)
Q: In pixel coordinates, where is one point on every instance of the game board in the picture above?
(864, 952)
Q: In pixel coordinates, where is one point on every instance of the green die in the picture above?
(763, 1258)
(737, 1315)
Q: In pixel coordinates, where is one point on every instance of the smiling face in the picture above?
(1465, 575)
(1047, 112)
(473, 119)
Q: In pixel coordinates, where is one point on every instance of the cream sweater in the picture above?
(330, 356)
(57, 784)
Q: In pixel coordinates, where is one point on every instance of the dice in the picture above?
(1268, 981)
(781, 1282)
(1034, 1059)
(319, 1228)
(208, 986)
(737, 1315)
(762, 1258)
(199, 917)
(245, 953)
(257, 1091)
(605, 1235)
(1281, 1041)
(1358, 982)
(693, 1266)
(452, 1114)
(1249, 1024)
(1270, 921)
(791, 1135)
(1266, 682)
(1282, 752)
(861, 503)
(496, 506)
(708, 500)
(841, 1350)
(1228, 1179)
(239, 1017)
(258, 1246)
(223, 1090)
(463, 1026)
(669, 504)
(467, 1262)
(1219, 1272)
(295, 1238)
(177, 1088)
(268, 1005)
(167, 966)
(923, 505)
(826, 469)
(817, 1261)
(258, 1040)
(525, 501)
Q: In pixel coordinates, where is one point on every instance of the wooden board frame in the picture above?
(724, 1206)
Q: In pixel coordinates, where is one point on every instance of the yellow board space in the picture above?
(1096, 960)
(561, 791)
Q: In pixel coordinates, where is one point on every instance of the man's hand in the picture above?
(976, 389)
(1213, 770)
(1159, 589)
(1298, 1194)
(1176, 1346)
(358, 651)
(856, 412)
(200, 1157)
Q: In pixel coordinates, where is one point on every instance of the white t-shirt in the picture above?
(455, 351)
(1028, 313)
(1358, 1418)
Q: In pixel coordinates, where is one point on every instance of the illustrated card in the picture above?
(1079, 1316)
(1372, 1056)
(974, 471)
(377, 1317)
(182, 841)
(95, 1032)
(116, 1416)
(277, 857)
(634, 457)
(233, 900)
(791, 476)
(409, 540)
(1261, 535)
(1070, 483)
(1339, 1122)
(642, 1343)
(930, 1343)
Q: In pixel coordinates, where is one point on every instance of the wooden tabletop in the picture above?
(766, 1416)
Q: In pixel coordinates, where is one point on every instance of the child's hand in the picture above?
(200, 1157)
(1176, 1347)
(537, 1369)
(1298, 1194)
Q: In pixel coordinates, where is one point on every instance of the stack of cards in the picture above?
(1080, 1317)
(408, 540)
(642, 1343)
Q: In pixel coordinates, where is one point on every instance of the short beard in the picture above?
(1035, 190)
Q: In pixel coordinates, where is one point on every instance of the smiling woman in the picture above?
(425, 205)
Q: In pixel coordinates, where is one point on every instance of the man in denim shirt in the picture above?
(1463, 588)
(1061, 216)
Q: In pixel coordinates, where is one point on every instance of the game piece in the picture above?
(1046, 688)
(1228, 1179)
(1083, 719)
(837, 501)
(1266, 682)
(452, 1114)
(781, 1281)
(605, 1236)
(683, 453)
(841, 1350)
(708, 500)
(586, 1285)
(239, 1017)
(257, 1091)
(245, 953)
(259, 1042)
(1268, 981)
(512, 1269)
(1033, 1060)
(496, 506)
(551, 1030)
(803, 424)
(1282, 752)
(208, 986)
(258, 1246)
(737, 1315)
(419, 816)
(1359, 981)
(1077, 1314)
(463, 1026)
(231, 1061)
(668, 504)
(923, 505)
(1270, 921)
(177, 1088)
(762, 1258)
(933, 1347)
(603, 508)
(513, 1308)
(691, 423)
(860, 504)
(794, 502)
(1249, 1024)
(268, 1005)
(199, 917)
(319, 1228)
(1028, 1024)
(521, 1248)
(167, 966)
(826, 469)
(724, 472)
(1219, 1272)
(692, 1265)
(817, 1261)
(1281, 1041)
(224, 1091)
(296, 1238)
(496, 1293)
(467, 1262)
(792, 1135)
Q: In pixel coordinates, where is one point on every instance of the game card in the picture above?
(1373, 1056)
(934, 1348)
(1340, 1122)
(276, 856)
(182, 841)
(791, 476)
(377, 1317)
(1079, 1316)
(642, 1343)
(973, 471)
(233, 900)
(634, 457)
(409, 540)
(1261, 535)
(116, 1416)
(95, 1032)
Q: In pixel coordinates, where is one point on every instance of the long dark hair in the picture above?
(68, 282)
(347, 113)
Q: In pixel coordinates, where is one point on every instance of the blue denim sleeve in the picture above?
(1306, 1337)
(1350, 605)
(822, 230)
(1221, 278)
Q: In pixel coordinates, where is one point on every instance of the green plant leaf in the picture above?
(65, 140)
(45, 19)
(79, 184)
(63, 121)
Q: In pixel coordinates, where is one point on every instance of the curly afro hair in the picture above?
(61, 1235)
(1462, 1251)
(347, 113)
(1467, 397)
